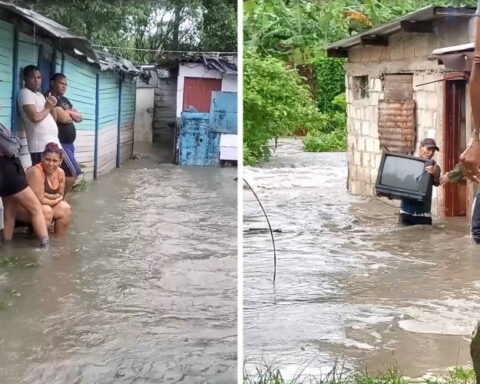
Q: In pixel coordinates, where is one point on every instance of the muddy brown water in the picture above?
(352, 286)
(142, 291)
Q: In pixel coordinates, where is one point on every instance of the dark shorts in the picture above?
(12, 176)
(476, 219)
(36, 157)
(69, 163)
(406, 219)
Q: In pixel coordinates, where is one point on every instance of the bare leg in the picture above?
(61, 214)
(69, 181)
(27, 200)
(24, 216)
(10, 207)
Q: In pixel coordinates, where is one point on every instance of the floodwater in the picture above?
(142, 291)
(352, 286)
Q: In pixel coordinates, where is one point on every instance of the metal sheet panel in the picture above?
(224, 112)
(198, 92)
(397, 125)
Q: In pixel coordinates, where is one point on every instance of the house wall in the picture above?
(144, 115)
(405, 53)
(81, 91)
(229, 82)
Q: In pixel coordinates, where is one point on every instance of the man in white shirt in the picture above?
(37, 121)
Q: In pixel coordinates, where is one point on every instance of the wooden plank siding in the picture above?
(108, 121)
(127, 118)
(6, 68)
(81, 92)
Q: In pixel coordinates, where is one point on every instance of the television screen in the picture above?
(402, 172)
(403, 177)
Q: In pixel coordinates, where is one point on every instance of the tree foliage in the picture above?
(275, 103)
(296, 33)
(141, 25)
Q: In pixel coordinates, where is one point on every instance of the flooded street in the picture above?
(352, 286)
(144, 290)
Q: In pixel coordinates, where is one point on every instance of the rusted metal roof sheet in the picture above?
(424, 14)
(397, 125)
(115, 63)
(457, 58)
(63, 35)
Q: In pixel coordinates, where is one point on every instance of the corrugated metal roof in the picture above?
(384, 30)
(221, 64)
(456, 57)
(75, 44)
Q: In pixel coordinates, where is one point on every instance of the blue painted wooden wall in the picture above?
(199, 141)
(81, 92)
(6, 70)
(198, 144)
(223, 112)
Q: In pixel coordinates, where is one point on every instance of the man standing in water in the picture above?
(66, 115)
(414, 212)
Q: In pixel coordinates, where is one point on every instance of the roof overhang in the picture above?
(60, 34)
(65, 40)
(419, 21)
(457, 58)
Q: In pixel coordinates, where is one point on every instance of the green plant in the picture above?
(275, 103)
(334, 141)
(330, 78)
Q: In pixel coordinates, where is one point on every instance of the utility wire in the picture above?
(271, 231)
(161, 51)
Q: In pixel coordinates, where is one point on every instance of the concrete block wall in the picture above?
(406, 53)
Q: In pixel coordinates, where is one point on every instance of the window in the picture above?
(360, 87)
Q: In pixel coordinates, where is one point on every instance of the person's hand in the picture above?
(431, 169)
(51, 101)
(470, 159)
(444, 179)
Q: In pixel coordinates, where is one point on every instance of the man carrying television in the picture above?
(416, 212)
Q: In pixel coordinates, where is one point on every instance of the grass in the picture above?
(271, 375)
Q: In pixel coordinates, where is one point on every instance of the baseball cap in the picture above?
(429, 143)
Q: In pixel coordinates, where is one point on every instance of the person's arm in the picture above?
(36, 181)
(31, 110)
(434, 170)
(436, 175)
(470, 158)
(75, 115)
(61, 189)
(62, 115)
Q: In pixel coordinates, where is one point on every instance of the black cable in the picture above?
(271, 232)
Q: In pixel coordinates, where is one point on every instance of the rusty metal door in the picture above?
(197, 92)
(454, 144)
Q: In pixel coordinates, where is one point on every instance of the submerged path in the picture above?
(143, 291)
(352, 286)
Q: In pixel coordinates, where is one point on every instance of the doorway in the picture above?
(454, 144)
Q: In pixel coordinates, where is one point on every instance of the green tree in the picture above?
(275, 103)
(140, 26)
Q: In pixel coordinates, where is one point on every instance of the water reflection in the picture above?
(351, 284)
(144, 289)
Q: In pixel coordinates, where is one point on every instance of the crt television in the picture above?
(404, 177)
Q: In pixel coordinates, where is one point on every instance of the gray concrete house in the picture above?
(407, 80)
